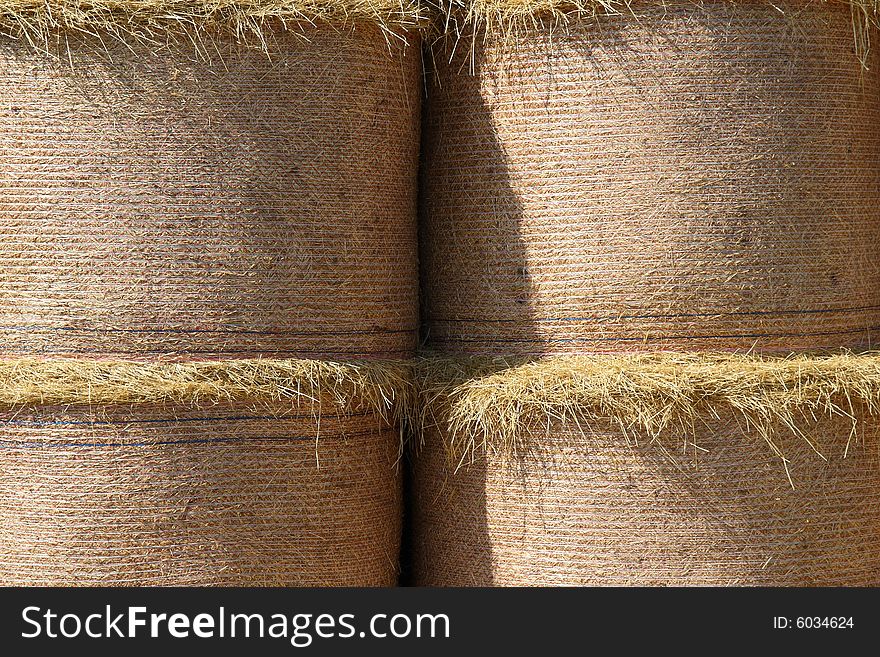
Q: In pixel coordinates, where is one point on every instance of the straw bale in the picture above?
(156, 203)
(228, 494)
(591, 508)
(699, 176)
(652, 469)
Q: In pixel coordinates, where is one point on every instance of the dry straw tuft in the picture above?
(383, 387)
(506, 18)
(462, 17)
(501, 406)
(146, 19)
(492, 14)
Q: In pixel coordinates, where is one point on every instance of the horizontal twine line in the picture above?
(13, 445)
(76, 329)
(237, 350)
(738, 313)
(658, 338)
(219, 418)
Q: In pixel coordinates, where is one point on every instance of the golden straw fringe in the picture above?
(35, 20)
(504, 19)
(498, 14)
(484, 404)
(501, 406)
(383, 387)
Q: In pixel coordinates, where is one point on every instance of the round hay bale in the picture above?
(696, 176)
(160, 197)
(222, 496)
(589, 509)
(697, 471)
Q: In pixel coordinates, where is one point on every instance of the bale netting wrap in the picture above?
(236, 473)
(672, 175)
(709, 470)
(207, 194)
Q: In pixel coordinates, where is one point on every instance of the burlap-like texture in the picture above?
(588, 507)
(699, 175)
(216, 199)
(226, 495)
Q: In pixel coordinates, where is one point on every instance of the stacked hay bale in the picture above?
(208, 265)
(619, 204)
